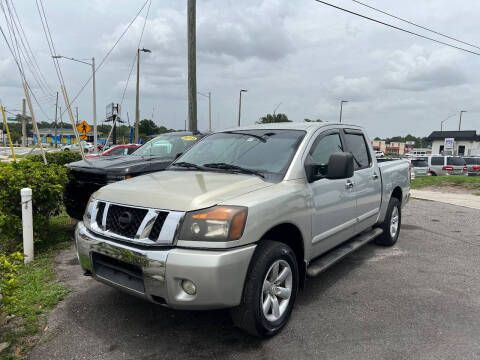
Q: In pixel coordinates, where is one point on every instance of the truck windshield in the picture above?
(166, 146)
(268, 152)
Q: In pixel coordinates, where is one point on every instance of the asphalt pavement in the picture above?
(417, 300)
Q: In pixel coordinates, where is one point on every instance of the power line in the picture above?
(138, 47)
(23, 51)
(412, 23)
(45, 82)
(108, 53)
(396, 27)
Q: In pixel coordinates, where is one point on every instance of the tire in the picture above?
(432, 173)
(389, 238)
(249, 315)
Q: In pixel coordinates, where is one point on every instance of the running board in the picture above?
(338, 253)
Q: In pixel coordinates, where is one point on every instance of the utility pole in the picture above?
(460, 122)
(240, 105)
(24, 123)
(137, 103)
(61, 125)
(341, 108)
(56, 105)
(192, 66)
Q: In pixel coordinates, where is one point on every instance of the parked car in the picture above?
(87, 147)
(379, 154)
(117, 150)
(416, 154)
(89, 176)
(419, 167)
(440, 165)
(242, 218)
(473, 165)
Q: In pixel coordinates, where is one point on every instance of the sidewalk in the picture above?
(466, 200)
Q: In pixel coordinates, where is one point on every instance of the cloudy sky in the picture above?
(299, 53)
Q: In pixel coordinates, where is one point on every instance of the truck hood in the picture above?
(180, 190)
(120, 164)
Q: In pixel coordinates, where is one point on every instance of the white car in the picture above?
(87, 147)
(379, 154)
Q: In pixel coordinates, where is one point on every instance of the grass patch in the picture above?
(469, 182)
(38, 291)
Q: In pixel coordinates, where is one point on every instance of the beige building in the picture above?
(397, 148)
(465, 142)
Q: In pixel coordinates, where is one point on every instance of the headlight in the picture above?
(87, 217)
(218, 223)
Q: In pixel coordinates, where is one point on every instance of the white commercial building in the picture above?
(465, 142)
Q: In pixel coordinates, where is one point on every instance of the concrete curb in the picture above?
(465, 200)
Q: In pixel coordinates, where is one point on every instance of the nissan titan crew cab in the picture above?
(243, 218)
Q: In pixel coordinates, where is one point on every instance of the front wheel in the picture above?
(270, 290)
(391, 224)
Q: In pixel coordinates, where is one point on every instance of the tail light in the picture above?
(465, 168)
(447, 168)
(476, 167)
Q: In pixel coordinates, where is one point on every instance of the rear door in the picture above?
(333, 217)
(366, 179)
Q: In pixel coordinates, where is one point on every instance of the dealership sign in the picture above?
(449, 143)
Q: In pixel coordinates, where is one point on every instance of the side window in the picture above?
(357, 146)
(130, 150)
(323, 148)
(437, 160)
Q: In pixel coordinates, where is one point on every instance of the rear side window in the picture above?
(419, 163)
(437, 160)
(455, 161)
(356, 144)
(470, 161)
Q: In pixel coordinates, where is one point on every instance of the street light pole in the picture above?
(92, 64)
(341, 108)
(441, 122)
(240, 105)
(137, 105)
(209, 96)
(460, 122)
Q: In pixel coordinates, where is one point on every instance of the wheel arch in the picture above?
(290, 235)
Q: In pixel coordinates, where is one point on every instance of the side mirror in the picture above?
(340, 166)
(178, 155)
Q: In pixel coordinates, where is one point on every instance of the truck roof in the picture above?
(290, 126)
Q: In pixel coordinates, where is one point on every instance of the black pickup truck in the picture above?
(90, 175)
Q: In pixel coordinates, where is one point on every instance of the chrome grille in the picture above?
(142, 226)
(123, 220)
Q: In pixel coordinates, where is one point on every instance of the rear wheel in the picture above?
(391, 224)
(270, 290)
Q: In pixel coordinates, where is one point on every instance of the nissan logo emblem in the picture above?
(125, 220)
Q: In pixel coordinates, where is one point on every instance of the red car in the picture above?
(118, 150)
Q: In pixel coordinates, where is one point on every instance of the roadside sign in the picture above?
(84, 129)
(449, 143)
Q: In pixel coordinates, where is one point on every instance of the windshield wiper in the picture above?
(188, 165)
(261, 138)
(225, 166)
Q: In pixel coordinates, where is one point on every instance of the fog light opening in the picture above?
(189, 287)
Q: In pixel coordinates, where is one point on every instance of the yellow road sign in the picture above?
(83, 137)
(84, 128)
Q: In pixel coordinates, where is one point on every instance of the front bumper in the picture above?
(157, 274)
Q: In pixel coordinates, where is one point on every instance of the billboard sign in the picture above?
(449, 143)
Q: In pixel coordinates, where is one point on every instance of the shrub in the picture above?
(8, 281)
(59, 157)
(47, 183)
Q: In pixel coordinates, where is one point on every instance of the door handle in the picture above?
(375, 176)
(349, 185)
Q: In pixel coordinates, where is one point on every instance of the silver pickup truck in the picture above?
(243, 218)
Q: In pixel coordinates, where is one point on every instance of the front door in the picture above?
(367, 182)
(333, 218)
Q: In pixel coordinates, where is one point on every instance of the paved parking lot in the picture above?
(417, 300)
